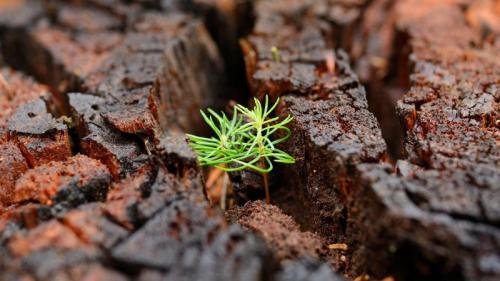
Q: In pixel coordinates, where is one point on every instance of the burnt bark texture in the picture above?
(428, 224)
(431, 71)
(333, 131)
(97, 180)
(444, 198)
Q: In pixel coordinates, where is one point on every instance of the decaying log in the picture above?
(100, 183)
(97, 181)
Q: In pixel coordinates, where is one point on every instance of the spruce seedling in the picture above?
(244, 141)
(275, 53)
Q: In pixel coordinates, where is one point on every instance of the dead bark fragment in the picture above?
(12, 166)
(123, 197)
(91, 271)
(182, 229)
(431, 218)
(49, 249)
(78, 180)
(39, 135)
(91, 226)
(120, 153)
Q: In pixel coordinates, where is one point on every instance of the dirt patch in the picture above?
(280, 231)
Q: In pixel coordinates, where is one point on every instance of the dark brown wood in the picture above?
(290, 54)
(97, 180)
(449, 123)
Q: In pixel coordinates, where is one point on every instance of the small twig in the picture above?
(212, 178)
(364, 277)
(338, 246)
(5, 87)
(330, 61)
(226, 5)
(214, 181)
(145, 141)
(225, 183)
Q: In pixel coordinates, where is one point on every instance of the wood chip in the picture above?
(338, 246)
(364, 277)
(330, 61)
(213, 176)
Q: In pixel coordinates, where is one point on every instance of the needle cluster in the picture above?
(243, 141)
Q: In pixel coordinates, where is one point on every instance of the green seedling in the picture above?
(275, 53)
(244, 141)
(68, 121)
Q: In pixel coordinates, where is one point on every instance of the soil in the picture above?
(279, 230)
(395, 135)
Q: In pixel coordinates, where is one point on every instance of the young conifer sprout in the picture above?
(244, 141)
(275, 53)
